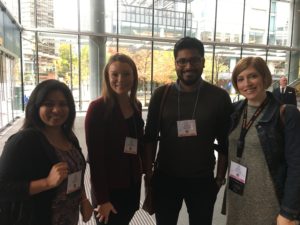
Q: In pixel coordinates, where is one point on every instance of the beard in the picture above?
(192, 79)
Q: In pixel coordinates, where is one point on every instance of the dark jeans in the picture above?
(199, 195)
(126, 202)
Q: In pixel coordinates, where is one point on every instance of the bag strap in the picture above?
(282, 110)
(161, 107)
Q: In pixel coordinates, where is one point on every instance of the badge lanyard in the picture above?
(195, 106)
(246, 126)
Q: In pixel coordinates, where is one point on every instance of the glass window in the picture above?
(29, 62)
(229, 22)
(27, 13)
(294, 63)
(58, 59)
(259, 52)
(164, 11)
(224, 61)
(276, 60)
(83, 87)
(9, 38)
(10, 89)
(163, 64)
(281, 23)
(208, 69)
(59, 14)
(12, 6)
(132, 25)
(140, 52)
(256, 21)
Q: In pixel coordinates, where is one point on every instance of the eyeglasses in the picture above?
(194, 61)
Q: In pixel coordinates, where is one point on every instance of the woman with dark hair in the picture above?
(264, 152)
(114, 129)
(42, 166)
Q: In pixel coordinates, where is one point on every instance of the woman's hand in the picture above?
(281, 220)
(86, 210)
(57, 174)
(103, 211)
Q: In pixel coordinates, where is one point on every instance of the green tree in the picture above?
(67, 64)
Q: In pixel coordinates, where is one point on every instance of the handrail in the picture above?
(295, 82)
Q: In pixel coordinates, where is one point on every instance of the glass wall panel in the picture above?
(294, 72)
(16, 47)
(256, 21)
(12, 6)
(84, 73)
(9, 39)
(207, 74)
(203, 19)
(136, 18)
(58, 54)
(294, 63)
(1, 26)
(277, 63)
(229, 21)
(280, 23)
(29, 63)
(256, 52)
(59, 14)
(169, 19)
(163, 64)
(27, 13)
(111, 46)
(224, 62)
(140, 52)
(3, 92)
(16, 87)
(111, 16)
(9, 87)
(296, 21)
(58, 59)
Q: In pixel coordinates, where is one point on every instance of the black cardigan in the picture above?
(27, 156)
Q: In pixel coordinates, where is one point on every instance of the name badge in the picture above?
(186, 128)
(237, 178)
(131, 145)
(74, 181)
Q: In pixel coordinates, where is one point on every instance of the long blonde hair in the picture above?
(108, 94)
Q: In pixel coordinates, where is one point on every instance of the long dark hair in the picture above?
(37, 97)
(108, 94)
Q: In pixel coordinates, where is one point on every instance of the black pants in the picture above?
(199, 195)
(126, 202)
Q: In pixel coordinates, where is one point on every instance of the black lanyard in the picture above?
(246, 126)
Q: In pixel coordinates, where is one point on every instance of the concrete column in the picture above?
(97, 47)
